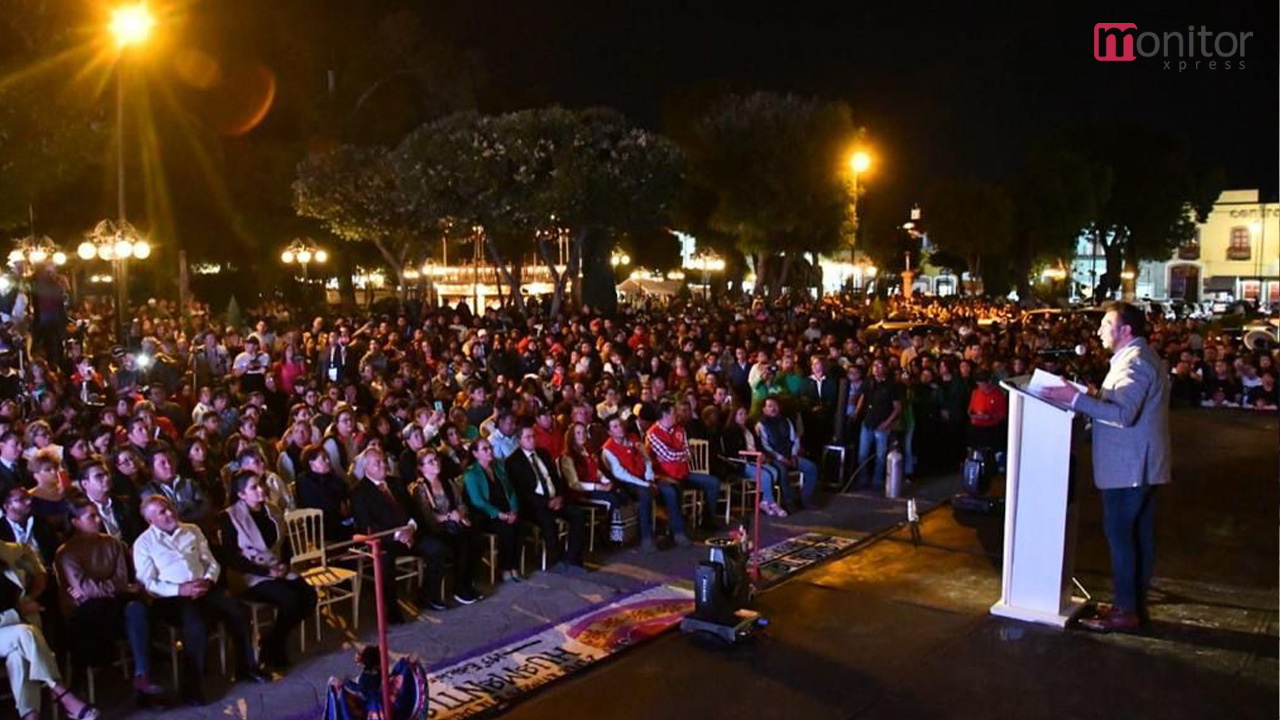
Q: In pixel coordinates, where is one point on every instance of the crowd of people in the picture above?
(151, 485)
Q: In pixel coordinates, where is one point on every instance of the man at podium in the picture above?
(1131, 457)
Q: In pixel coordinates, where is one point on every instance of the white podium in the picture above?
(1039, 525)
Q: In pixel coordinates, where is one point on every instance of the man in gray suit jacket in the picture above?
(1131, 457)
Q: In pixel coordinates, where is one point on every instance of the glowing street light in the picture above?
(131, 24)
(303, 251)
(34, 251)
(860, 162)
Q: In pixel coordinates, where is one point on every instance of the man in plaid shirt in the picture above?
(669, 449)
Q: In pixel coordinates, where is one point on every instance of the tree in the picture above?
(355, 194)
(612, 182)
(1155, 198)
(970, 219)
(776, 164)
(525, 175)
(1056, 193)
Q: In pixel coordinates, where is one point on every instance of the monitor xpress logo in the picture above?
(1194, 49)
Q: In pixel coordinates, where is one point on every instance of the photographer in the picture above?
(251, 366)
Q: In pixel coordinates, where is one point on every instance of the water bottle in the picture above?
(893, 473)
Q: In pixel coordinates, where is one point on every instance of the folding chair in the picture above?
(311, 560)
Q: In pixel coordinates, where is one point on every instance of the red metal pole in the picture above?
(375, 551)
(755, 530)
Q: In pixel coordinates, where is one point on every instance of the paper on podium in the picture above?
(1041, 380)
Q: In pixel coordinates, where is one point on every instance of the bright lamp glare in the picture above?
(142, 249)
(59, 258)
(87, 250)
(304, 256)
(38, 256)
(15, 256)
(321, 256)
(860, 161)
(131, 24)
(123, 248)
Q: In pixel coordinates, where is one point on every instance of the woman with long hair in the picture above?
(340, 441)
(194, 463)
(128, 473)
(447, 522)
(737, 437)
(581, 469)
(292, 365)
(257, 552)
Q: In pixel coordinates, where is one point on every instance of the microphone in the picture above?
(1081, 350)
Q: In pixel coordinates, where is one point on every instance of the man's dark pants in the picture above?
(1128, 516)
(195, 616)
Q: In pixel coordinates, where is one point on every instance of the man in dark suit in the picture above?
(339, 362)
(13, 472)
(544, 497)
(381, 503)
(20, 525)
(823, 395)
(119, 516)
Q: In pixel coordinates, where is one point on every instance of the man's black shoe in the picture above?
(436, 605)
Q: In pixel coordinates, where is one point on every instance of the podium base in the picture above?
(1014, 612)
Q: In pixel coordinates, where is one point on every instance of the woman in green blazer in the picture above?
(495, 503)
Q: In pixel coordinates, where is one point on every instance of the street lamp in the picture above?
(859, 163)
(707, 263)
(304, 251)
(32, 251)
(619, 259)
(117, 241)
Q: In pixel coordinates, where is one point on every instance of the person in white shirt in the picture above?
(502, 436)
(174, 564)
(251, 366)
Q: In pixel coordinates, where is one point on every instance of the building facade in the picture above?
(1235, 255)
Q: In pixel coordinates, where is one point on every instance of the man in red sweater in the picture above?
(669, 449)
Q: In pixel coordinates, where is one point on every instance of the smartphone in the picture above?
(439, 406)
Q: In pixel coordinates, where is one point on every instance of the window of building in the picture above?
(1190, 248)
(1239, 247)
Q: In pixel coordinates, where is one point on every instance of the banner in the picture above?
(795, 554)
(491, 678)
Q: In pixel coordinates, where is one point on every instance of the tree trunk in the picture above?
(504, 274)
(761, 261)
(346, 288)
(1114, 253)
(780, 278)
(395, 263)
(558, 278)
(599, 289)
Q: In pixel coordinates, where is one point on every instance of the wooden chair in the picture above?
(311, 560)
(534, 536)
(262, 615)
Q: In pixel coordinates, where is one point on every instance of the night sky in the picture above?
(946, 91)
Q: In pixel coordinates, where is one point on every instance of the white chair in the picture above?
(311, 560)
